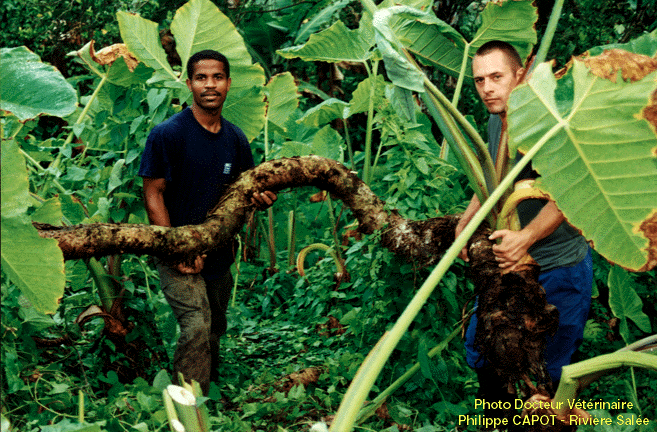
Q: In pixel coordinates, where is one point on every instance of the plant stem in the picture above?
(373, 364)
(577, 375)
(551, 28)
(350, 150)
(367, 170)
(291, 238)
(271, 243)
(444, 150)
(376, 402)
(334, 229)
(80, 406)
(103, 282)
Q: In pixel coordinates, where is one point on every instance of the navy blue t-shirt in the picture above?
(198, 166)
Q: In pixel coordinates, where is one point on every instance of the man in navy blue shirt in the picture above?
(189, 161)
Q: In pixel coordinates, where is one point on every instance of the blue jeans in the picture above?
(569, 289)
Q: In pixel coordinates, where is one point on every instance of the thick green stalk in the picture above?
(376, 402)
(271, 243)
(170, 409)
(367, 169)
(334, 224)
(444, 149)
(104, 283)
(350, 149)
(46, 185)
(465, 156)
(472, 134)
(575, 375)
(80, 406)
(291, 238)
(373, 364)
(551, 28)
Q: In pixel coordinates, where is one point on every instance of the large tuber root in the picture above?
(513, 314)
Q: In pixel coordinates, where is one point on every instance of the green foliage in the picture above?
(199, 25)
(85, 171)
(23, 77)
(610, 170)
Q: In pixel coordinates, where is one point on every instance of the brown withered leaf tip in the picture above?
(650, 113)
(649, 229)
(633, 67)
(109, 54)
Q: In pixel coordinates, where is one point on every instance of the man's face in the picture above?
(209, 84)
(494, 79)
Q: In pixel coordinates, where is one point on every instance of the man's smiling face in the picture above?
(494, 79)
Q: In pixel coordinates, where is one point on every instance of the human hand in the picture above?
(512, 249)
(193, 268)
(263, 200)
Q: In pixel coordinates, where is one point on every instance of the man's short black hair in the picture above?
(207, 55)
(508, 49)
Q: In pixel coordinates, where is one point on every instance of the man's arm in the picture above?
(515, 244)
(159, 215)
(154, 200)
(467, 216)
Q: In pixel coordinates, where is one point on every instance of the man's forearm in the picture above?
(545, 222)
(157, 211)
(469, 213)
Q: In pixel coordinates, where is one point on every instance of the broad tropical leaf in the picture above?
(642, 45)
(434, 42)
(625, 303)
(34, 264)
(314, 24)
(29, 88)
(199, 25)
(361, 96)
(437, 43)
(510, 21)
(143, 40)
(322, 46)
(282, 99)
(599, 161)
(325, 112)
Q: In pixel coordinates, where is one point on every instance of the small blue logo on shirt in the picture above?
(227, 168)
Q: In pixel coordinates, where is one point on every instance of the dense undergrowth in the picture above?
(278, 325)
(282, 328)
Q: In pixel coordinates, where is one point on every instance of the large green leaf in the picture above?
(644, 45)
(143, 40)
(199, 25)
(29, 88)
(511, 21)
(435, 42)
(282, 99)
(34, 264)
(325, 112)
(314, 24)
(599, 159)
(335, 44)
(625, 303)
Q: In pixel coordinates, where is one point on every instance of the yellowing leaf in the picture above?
(599, 161)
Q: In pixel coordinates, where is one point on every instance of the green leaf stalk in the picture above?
(376, 359)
